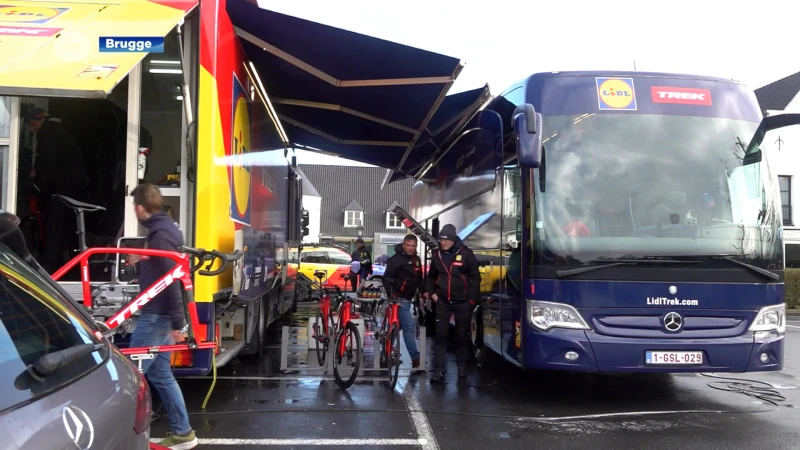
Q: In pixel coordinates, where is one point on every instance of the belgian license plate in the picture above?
(691, 358)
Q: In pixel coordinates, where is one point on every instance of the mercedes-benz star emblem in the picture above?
(673, 321)
(79, 427)
(673, 290)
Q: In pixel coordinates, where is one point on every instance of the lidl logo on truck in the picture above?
(616, 94)
(29, 14)
(681, 96)
(240, 147)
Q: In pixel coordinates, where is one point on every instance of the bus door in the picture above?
(511, 308)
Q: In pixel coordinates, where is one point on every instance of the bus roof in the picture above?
(616, 73)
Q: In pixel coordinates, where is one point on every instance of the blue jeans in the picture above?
(154, 329)
(409, 327)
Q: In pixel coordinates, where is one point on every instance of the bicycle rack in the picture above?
(298, 344)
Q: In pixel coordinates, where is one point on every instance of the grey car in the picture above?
(63, 385)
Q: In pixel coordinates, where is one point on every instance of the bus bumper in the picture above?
(598, 353)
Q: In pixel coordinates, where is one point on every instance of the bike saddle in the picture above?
(75, 204)
(320, 274)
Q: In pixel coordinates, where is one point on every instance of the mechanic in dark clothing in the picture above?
(404, 270)
(364, 258)
(162, 319)
(454, 284)
(59, 169)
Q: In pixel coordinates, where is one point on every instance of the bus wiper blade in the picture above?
(569, 272)
(620, 262)
(756, 269)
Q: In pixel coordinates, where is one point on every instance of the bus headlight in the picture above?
(547, 315)
(770, 319)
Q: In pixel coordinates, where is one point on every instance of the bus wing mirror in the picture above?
(752, 153)
(527, 125)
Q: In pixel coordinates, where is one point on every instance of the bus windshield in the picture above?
(632, 186)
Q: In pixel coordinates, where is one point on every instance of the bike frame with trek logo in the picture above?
(181, 273)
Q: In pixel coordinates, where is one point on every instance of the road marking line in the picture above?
(793, 326)
(267, 442)
(418, 418)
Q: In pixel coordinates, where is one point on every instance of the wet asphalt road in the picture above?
(254, 405)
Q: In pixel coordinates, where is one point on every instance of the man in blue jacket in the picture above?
(163, 318)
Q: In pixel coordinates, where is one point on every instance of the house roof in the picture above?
(353, 206)
(308, 187)
(778, 94)
(342, 185)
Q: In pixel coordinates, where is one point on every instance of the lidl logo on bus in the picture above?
(616, 94)
(240, 147)
(29, 14)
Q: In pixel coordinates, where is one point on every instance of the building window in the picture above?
(785, 184)
(353, 219)
(393, 222)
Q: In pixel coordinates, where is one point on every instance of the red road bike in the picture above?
(389, 335)
(181, 273)
(325, 326)
(348, 349)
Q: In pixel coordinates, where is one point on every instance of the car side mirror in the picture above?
(527, 124)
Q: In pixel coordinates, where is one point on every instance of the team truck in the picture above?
(624, 222)
(230, 190)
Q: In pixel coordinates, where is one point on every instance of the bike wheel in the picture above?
(322, 337)
(350, 337)
(393, 358)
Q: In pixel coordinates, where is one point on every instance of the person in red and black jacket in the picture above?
(402, 278)
(454, 283)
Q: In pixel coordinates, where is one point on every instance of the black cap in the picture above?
(35, 113)
(359, 241)
(448, 233)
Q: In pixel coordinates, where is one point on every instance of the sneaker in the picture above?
(438, 377)
(180, 442)
(415, 363)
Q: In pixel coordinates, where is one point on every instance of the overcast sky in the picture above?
(502, 41)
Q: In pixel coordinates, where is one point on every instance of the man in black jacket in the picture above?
(454, 284)
(163, 318)
(364, 259)
(403, 277)
(59, 169)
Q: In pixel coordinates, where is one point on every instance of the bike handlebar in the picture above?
(210, 255)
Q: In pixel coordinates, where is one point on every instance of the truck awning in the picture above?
(455, 112)
(53, 48)
(356, 96)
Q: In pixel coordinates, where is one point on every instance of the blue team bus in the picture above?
(624, 222)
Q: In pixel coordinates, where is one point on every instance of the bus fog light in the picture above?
(573, 356)
(764, 358)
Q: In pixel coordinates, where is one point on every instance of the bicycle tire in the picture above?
(393, 358)
(343, 334)
(320, 334)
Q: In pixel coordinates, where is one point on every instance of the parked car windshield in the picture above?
(34, 323)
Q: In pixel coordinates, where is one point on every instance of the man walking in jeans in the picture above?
(163, 318)
(454, 283)
(404, 270)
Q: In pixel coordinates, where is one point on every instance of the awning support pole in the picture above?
(187, 101)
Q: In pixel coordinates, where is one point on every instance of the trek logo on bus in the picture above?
(126, 313)
(28, 31)
(665, 301)
(131, 44)
(681, 96)
(617, 94)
